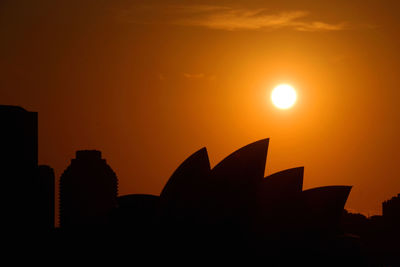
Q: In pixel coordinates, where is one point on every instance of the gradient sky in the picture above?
(150, 82)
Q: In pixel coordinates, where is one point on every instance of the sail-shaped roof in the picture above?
(282, 183)
(186, 190)
(322, 207)
(276, 200)
(236, 178)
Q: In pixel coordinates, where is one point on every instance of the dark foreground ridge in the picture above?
(230, 210)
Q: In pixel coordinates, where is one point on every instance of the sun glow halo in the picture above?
(283, 96)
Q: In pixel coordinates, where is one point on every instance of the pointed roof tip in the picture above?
(201, 153)
(261, 147)
(261, 141)
(295, 170)
(285, 182)
(345, 189)
(196, 164)
(244, 166)
(264, 142)
(202, 150)
(332, 187)
(325, 205)
(200, 156)
(338, 191)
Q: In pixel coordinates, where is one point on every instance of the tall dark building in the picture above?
(88, 191)
(391, 210)
(18, 165)
(45, 197)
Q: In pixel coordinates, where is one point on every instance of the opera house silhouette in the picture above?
(230, 209)
(235, 205)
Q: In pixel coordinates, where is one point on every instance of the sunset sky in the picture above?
(150, 82)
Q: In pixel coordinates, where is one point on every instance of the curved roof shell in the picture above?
(187, 189)
(235, 180)
(322, 207)
(276, 200)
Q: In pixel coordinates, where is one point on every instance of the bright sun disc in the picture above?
(283, 96)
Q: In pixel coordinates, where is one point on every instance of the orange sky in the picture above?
(150, 82)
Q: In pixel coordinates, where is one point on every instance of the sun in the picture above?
(284, 96)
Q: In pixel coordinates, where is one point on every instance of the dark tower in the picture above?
(18, 165)
(88, 191)
(391, 211)
(46, 186)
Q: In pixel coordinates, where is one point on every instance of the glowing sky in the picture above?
(150, 82)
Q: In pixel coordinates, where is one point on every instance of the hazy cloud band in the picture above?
(225, 18)
(228, 18)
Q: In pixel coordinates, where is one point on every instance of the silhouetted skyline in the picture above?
(149, 82)
(231, 205)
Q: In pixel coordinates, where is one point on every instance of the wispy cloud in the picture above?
(194, 75)
(226, 18)
(161, 77)
(318, 26)
(198, 76)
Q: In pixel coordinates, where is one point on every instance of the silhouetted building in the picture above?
(355, 223)
(46, 197)
(136, 212)
(236, 196)
(184, 197)
(391, 210)
(322, 207)
(278, 201)
(236, 180)
(88, 191)
(232, 205)
(196, 193)
(18, 165)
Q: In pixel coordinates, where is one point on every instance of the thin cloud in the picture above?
(161, 77)
(198, 76)
(318, 26)
(225, 18)
(194, 75)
